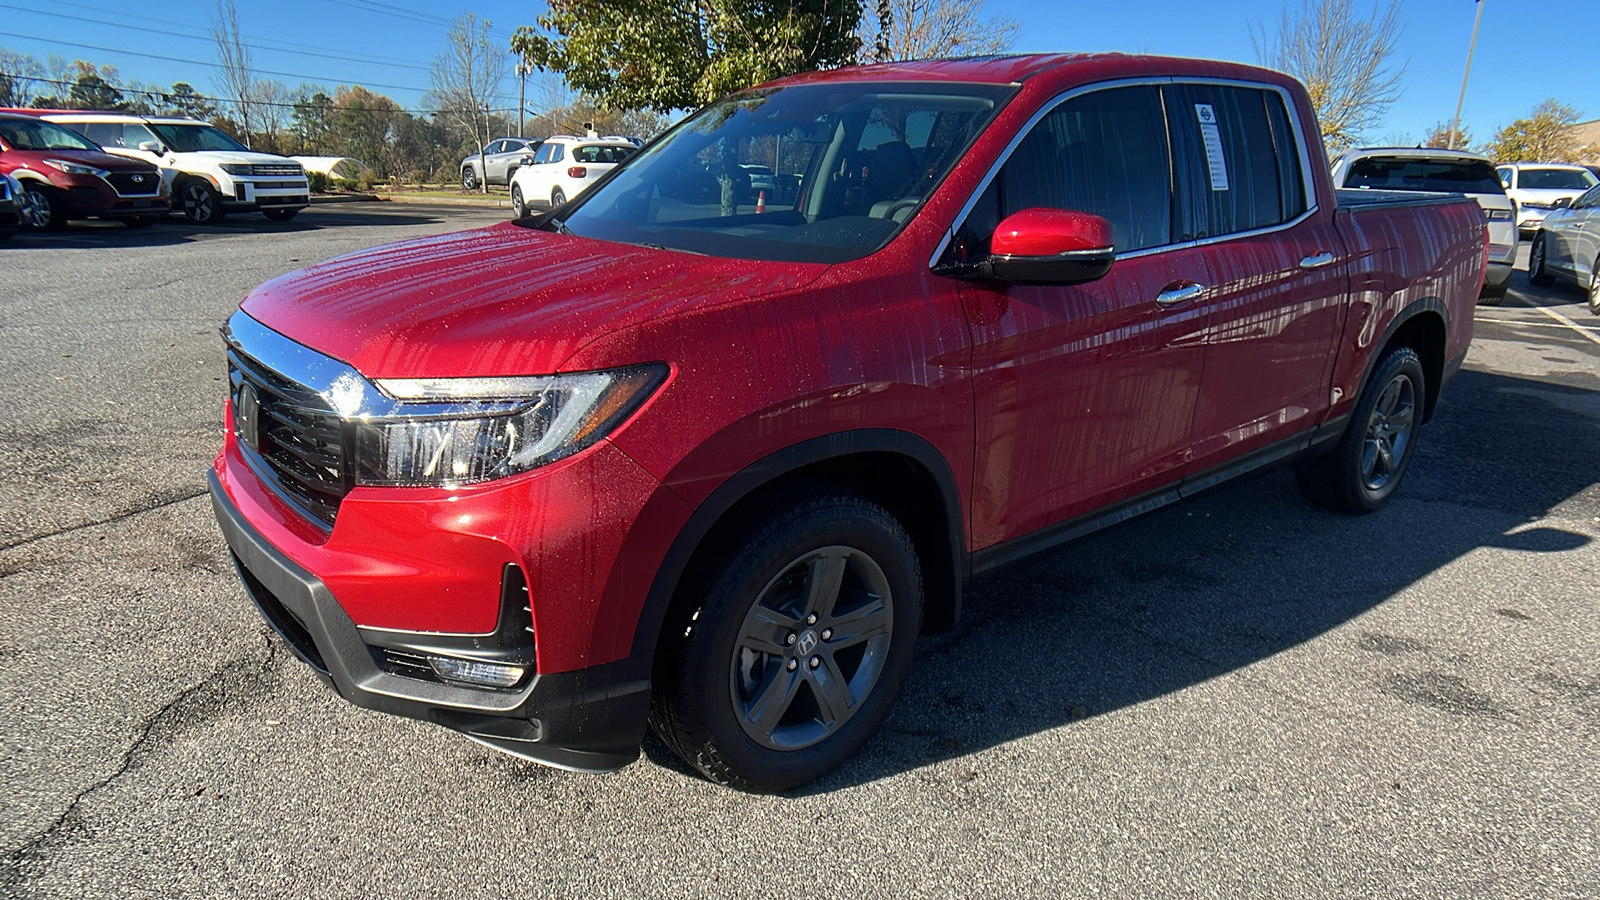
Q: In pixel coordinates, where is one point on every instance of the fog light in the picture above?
(477, 673)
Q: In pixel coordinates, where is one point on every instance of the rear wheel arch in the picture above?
(895, 469)
(1423, 327)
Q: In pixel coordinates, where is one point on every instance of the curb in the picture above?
(484, 203)
(344, 198)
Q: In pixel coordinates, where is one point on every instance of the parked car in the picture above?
(15, 207)
(640, 459)
(501, 158)
(68, 177)
(1446, 171)
(1537, 186)
(1568, 246)
(563, 166)
(209, 173)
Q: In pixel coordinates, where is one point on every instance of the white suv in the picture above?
(1431, 169)
(209, 173)
(562, 168)
(1538, 186)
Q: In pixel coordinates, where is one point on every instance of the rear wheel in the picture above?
(49, 212)
(280, 215)
(518, 208)
(1492, 296)
(1537, 273)
(201, 204)
(1367, 464)
(557, 197)
(805, 632)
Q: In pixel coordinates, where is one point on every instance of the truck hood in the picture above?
(503, 300)
(219, 157)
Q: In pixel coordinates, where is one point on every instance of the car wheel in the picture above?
(800, 640)
(1594, 287)
(518, 209)
(1492, 296)
(1366, 465)
(1537, 273)
(201, 205)
(469, 178)
(280, 215)
(139, 221)
(557, 197)
(7, 234)
(49, 213)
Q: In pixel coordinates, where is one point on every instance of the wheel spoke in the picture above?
(1369, 459)
(767, 631)
(832, 691)
(1385, 458)
(1402, 417)
(774, 700)
(863, 623)
(824, 576)
(1390, 397)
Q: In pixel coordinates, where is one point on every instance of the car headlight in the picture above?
(72, 168)
(552, 417)
(237, 168)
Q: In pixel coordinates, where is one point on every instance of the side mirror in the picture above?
(1051, 246)
(1561, 203)
(152, 147)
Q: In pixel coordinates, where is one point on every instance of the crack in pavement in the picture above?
(208, 697)
(128, 514)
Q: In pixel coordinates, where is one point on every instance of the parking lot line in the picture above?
(1563, 320)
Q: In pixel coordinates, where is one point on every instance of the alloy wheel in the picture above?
(197, 203)
(1389, 431)
(811, 648)
(41, 212)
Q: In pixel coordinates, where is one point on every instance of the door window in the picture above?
(1104, 153)
(106, 134)
(134, 134)
(543, 156)
(1238, 158)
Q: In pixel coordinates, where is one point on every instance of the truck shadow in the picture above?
(174, 230)
(1217, 584)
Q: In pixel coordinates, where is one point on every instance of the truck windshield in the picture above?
(32, 134)
(1453, 176)
(192, 138)
(806, 173)
(1555, 179)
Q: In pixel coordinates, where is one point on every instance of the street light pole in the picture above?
(523, 70)
(1455, 124)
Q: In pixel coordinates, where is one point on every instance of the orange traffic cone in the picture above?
(761, 202)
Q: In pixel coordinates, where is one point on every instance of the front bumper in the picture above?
(590, 719)
(268, 193)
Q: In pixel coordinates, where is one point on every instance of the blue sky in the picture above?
(388, 44)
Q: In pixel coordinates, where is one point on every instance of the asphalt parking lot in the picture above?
(1239, 696)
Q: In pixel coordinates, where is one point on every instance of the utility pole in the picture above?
(523, 71)
(1455, 124)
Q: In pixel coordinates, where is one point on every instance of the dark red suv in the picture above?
(70, 177)
(675, 453)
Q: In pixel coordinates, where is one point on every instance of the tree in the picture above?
(21, 78)
(1345, 61)
(273, 105)
(928, 29)
(1439, 137)
(94, 88)
(233, 59)
(1545, 136)
(184, 100)
(466, 81)
(664, 55)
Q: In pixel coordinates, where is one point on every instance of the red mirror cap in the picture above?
(1050, 232)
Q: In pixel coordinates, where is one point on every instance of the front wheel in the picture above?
(518, 208)
(49, 212)
(801, 640)
(557, 197)
(201, 204)
(469, 178)
(1366, 465)
(1537, 272)
(280, 215)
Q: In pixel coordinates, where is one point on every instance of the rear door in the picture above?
(1581, 236)
(1083, 393)
(1275, 287)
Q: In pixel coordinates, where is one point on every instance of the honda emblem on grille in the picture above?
(247, 417)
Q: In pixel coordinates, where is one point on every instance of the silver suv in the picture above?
(501, 157)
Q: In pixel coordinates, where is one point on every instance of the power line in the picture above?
(400, 12)
(198, 62)
(344, 58)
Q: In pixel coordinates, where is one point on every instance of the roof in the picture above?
(1412, 151)
(1540, 165)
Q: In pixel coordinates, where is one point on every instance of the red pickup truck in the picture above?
(672, 453)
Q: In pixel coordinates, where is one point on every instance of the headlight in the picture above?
(1499, 215)
(237, 168)
(554, 417)
(72, 168)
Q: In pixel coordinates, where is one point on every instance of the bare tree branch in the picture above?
(1345, 61)
(927, 29)
(466, 80)
(233, 56)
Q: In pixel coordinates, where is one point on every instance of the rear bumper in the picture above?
(1499, 275)
(590, 719)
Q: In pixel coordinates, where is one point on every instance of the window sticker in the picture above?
(1213, 141)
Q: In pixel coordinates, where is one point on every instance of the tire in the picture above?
(1594, 287)
(1366, 466)
(763, 635)
(518, 208)
(139, 221)
(49, 212)
(7, 234)
(1537, 273)
(201, 203)
(279, 214)
(557, 197)
(469, 178)
(1492, 296)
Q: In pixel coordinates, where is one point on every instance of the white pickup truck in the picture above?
(209, 173)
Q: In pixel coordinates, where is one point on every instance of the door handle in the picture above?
(1180, 292)
(1317, 261)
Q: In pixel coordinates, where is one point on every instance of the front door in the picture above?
(1083, 393)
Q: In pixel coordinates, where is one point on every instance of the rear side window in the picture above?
(106, 134)
(1104, 153)
(593, 154)
(1238, 156)
(1388, 173)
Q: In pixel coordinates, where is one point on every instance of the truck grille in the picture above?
(126, 186)
(297, 435)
